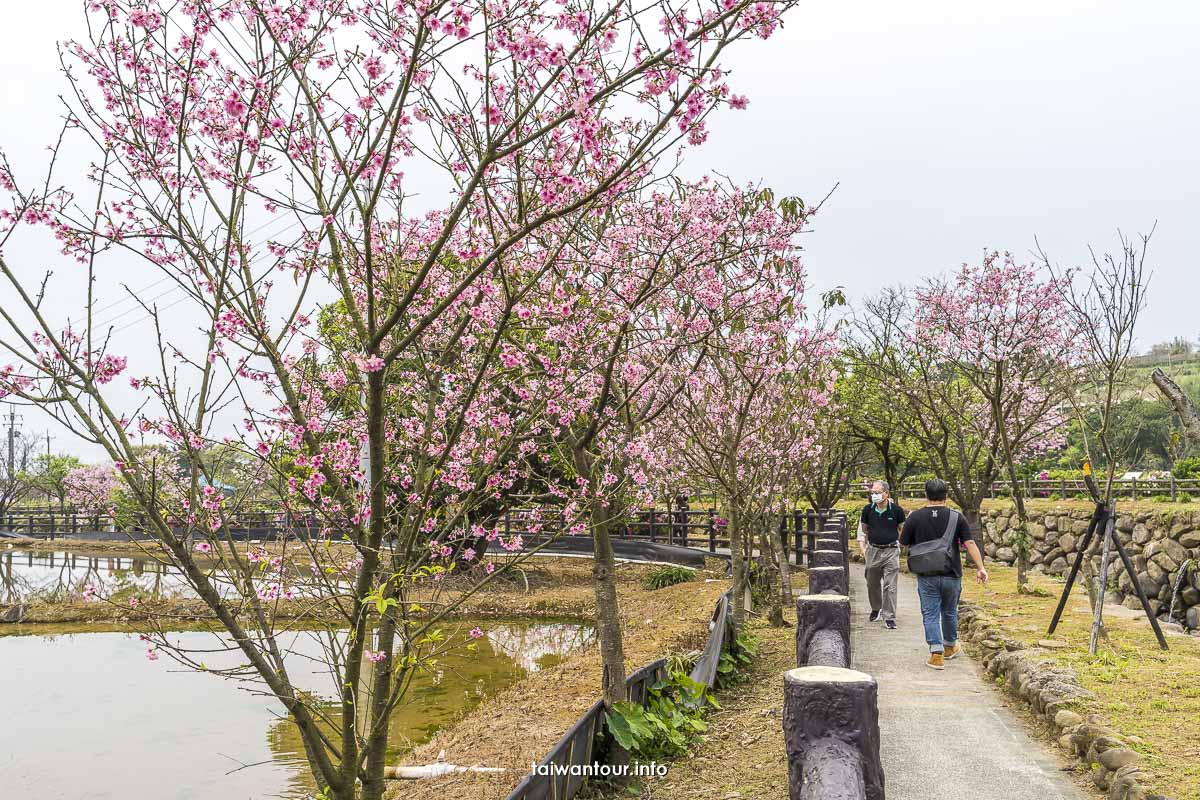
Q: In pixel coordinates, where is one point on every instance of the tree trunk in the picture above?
(1182, 404)
(737, 564)
(379, 684)
(769, 571)
(608, 614)
(889, 466)
(785, 567)
(604, 584)
(1020, 537)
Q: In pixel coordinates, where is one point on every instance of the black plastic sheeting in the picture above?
(628, 549)
(720, 632)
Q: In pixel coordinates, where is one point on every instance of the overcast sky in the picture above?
(950, 127)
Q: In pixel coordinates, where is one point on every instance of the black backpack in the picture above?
(935, 557)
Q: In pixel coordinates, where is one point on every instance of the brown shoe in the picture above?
(951, 651)
(936, 661)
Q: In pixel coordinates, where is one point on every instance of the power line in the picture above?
(176, 302)
(133, 296)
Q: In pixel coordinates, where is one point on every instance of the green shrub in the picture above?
(734, 659)
(673, 714)
(668, 576)
(1187, 467)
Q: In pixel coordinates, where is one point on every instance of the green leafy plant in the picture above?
(668, 576)
(683, 662)
(1187, 467)
(672, 715)
(1109, 666)
(735, 658)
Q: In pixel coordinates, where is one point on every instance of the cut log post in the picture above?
(827, 580)
(828, 558)
(823, 630)
(831, 731)
(834, 558)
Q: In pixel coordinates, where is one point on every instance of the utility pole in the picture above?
(12, 441)
(49, 496)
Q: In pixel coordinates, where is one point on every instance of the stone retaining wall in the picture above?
(1159, 542)
(1054, 693)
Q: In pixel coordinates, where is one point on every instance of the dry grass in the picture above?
(518, 726)
(1149, 696)
(742, 754)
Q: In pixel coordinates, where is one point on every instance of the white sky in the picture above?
(951, 127)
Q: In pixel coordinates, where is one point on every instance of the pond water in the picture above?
(51, 576)
(26, 575)
(88, 715)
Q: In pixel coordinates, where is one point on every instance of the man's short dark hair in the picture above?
(936, 490)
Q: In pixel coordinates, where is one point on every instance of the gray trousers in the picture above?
(883, 573)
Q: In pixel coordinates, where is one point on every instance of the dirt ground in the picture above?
(742, 753)
(517, 727)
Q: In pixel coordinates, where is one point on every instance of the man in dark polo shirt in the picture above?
(879, 540)
(939, 592)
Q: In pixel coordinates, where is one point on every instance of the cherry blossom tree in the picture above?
(643, 291)
(92, 488)
(841, 455)
(745, 411)
(1005, 329)
(941, 413)
(424, 173)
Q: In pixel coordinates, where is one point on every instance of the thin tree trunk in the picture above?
(785, 566)
(380, 683)
(608, 614)
(1021, 536)
(737, 564)
(772, 571)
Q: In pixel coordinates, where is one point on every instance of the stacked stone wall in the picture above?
(1161, 544)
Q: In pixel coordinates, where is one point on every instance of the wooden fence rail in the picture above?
(701, 529)
(1172, 488)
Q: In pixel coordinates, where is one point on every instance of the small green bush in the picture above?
(735, 659)
(1187, 467)
(668, 576)
(673, 714)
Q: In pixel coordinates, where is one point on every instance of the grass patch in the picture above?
(662, 577)
(1141, 691)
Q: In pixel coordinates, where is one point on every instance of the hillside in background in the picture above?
(1185, 371)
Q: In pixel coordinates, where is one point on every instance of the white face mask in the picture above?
(876, 498)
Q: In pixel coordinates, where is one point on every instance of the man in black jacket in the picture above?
(939, 593)
(878, 539)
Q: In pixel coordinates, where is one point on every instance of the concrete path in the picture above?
(945, 734)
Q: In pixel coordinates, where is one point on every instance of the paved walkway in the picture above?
(945, 734)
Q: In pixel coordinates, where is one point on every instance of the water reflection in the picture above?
(128, 727)
(26, 576)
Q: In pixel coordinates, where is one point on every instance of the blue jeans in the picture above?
(939, 609)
